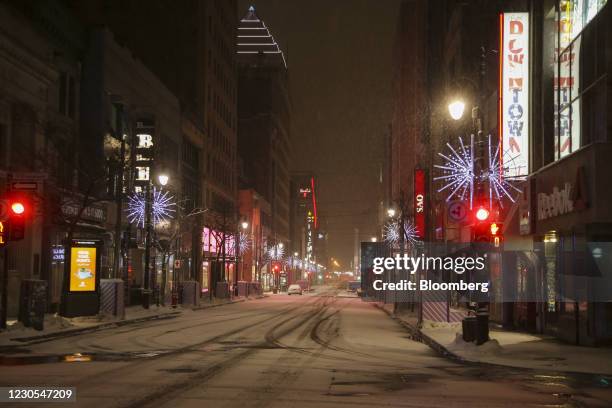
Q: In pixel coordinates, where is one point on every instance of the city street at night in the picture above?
(304, 204)
(325, 349)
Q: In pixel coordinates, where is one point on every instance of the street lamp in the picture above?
(163, 179)
(391, 212)
(146, 293)
(373, 239)
(456, 109)
(245, 225)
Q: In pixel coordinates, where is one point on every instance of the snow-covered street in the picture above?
(317, 350)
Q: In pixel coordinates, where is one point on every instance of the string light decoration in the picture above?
(391, 233)
(162, 207)
(458, 172)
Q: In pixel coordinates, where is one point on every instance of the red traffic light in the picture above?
(17, 208)
(482, 214)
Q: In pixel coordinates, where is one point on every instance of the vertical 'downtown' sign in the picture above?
(419, 203)
(514, 89)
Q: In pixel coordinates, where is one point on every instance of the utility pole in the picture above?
(148, 236)
(119, 194)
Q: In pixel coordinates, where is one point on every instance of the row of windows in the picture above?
(226, 82)
(223, 111)
(220, 141)
(579, 74)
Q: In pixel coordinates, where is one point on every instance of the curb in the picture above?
(25, 341)
(421, 337)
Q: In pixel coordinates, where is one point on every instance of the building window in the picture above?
(580, 70)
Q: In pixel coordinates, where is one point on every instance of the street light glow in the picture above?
(163, 179)
(391, 212)
(245, 225)
(456, 109)
(373, 239)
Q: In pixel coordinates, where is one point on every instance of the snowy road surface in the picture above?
(282, 351)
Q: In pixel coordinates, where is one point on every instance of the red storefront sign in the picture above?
(419, 202)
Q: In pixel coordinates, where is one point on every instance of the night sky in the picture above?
(339, 58)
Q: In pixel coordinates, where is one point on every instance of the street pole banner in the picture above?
(514, 90)
(419, 203)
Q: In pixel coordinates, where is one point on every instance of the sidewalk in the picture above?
(57, 326)
(508, 348)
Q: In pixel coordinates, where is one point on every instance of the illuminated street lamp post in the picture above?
(146, 293)
(239, 256)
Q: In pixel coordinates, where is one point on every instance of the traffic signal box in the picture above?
(485, 231)
(18, 212)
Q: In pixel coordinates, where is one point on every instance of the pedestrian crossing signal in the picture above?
(3, 233)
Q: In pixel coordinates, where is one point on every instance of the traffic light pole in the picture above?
(5, 264)
(3, 316)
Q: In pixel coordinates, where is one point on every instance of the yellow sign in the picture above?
(2, 240)
(82, 269)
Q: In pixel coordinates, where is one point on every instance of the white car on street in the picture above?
(294, 289)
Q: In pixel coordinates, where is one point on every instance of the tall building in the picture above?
(264, 111)
(190, 46)
(304, 231)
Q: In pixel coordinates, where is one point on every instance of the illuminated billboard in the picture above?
(514, 91)
(83, 269)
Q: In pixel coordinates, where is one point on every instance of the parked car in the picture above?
(294, 289)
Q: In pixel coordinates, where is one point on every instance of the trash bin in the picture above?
(33, 302)
(275, 290)
(482, 326)
(469, 328)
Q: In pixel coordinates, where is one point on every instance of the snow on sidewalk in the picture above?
(55, 324)
(522, 350)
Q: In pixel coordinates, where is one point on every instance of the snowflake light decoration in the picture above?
(162, 207)
(244, 242)
(276, 252)
(392, 233)
(458, 172)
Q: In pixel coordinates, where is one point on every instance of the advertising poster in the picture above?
(83, 269)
